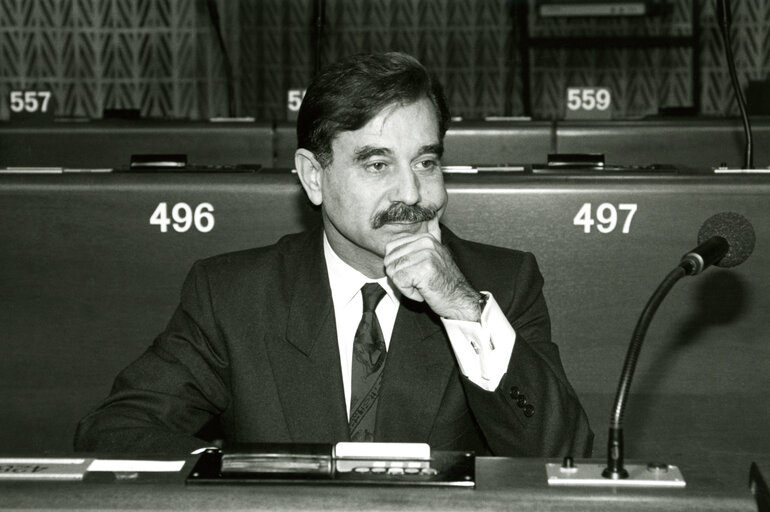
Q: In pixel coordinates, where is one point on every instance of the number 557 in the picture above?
(29, 101)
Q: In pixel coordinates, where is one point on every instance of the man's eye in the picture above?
(427, 165)
(376, 166)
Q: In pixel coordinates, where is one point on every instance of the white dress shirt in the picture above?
(482, 349)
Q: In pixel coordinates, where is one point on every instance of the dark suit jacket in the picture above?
(253, 345)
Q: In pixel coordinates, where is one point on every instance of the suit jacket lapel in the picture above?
(306, 362)
(417, 371)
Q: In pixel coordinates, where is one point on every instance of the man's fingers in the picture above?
(430, 227)
(413, 261)
(405, 287)
(407, 269)
(398, 242)
(395, 251)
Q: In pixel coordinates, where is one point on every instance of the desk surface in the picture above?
(502, 484)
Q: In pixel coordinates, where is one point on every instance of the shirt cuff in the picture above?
(483, 349)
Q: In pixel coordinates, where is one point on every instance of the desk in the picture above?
(696, 142)
(86, 282)
(110, 143)
(502, 484)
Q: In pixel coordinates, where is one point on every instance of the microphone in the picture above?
(725, 240)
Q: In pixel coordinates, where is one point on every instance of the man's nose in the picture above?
(406, 189)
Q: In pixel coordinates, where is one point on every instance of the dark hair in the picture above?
(349, 93)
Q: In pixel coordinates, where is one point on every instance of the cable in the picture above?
(724, 15)
(216, 23)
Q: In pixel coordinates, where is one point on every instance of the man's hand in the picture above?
(423, 270)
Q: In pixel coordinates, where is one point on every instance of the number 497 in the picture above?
(605, 217)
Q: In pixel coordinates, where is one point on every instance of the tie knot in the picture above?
(372, 293)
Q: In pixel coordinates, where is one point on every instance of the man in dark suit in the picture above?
(383, 325)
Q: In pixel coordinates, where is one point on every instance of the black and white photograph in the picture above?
(358, 255)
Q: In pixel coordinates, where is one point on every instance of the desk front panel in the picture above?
(697, 143)
(466, 143)
(110, 144)
(88, 281)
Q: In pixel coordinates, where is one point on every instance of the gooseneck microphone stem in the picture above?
(614, 469)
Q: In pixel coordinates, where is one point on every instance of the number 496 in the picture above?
(605, 217)
(183, 217)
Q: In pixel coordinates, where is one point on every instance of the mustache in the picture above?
(401, 212)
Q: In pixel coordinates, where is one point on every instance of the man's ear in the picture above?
(310, 175)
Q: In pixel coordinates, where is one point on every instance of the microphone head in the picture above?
(738, 232)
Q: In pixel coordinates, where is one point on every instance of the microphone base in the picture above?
(589, 474)
(758, 170)
(615, 475)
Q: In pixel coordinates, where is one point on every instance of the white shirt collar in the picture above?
(345, 281)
